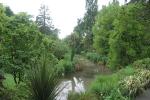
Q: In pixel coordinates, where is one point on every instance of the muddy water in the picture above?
(79, 81)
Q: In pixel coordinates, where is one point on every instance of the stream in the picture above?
(79, 81)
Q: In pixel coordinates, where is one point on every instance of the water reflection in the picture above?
(75, 85)
(79, 86)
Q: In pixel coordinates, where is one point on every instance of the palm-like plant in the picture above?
(43, 82)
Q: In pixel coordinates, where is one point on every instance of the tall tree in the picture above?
(89, 20)
(73, 41)
(8, 11)
(19, 45)
(130, 39)
(84, 26)
(103, 27)
(44, 21)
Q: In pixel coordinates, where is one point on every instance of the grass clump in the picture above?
(43, 82)
(134, 85)
(82, 96)
(64, 66)
(143, 63)
(95, 57)
(104, 84)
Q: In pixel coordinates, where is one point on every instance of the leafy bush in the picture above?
(144, 63)
(68, 66)
(104, 84)
(83, 53)
(4, 94)
(59, 68)
(9, 82)
(19, 92)
(95, 57)
(130, 86)
(133, 85)
(129, 39)
(82, 96)
(116, 95)
(11, 91)
(64, 66)
(126, 72)
(59, 49)
(144, 76)
(78, 63)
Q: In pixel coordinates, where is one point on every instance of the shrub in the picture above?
(82, 96)
(144, 63)
(78, 63)
(116, 95)
(104, 84)
(9, 82)
(43, 82)
(64, 66)
(59, 49)
(95, 57)
(144, 76)
(11, 91)
(6, 94)
(126, 72)
(22, 92)
(68, 66)
(83, 53)
(19, 92)
(131, 86)
(127, 44)
(59, 68)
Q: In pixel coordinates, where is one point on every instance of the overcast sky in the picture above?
(64, 13)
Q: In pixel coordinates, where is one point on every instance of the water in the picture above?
(76, 85)
(79, 81)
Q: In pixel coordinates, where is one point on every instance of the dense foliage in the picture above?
(130, 40)
(22, 45)
(123, 37)
(103, 85)
(143, 63)
(104, 27)
(33, 59)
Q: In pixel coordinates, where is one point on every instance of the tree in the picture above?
(45, 22)
(89, 20)
(3, 22)
(19, 45)
(72, 40)
(79, 30)
(59, 49)
(22, 44)
(103, 27)
(130, 39)
(8, 11)
(84, 26)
